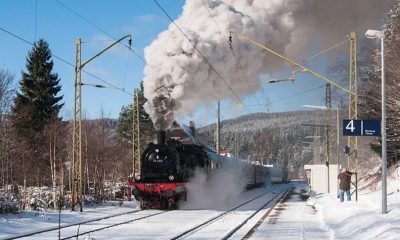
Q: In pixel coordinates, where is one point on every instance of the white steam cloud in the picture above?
(218, 189)
(178, 80)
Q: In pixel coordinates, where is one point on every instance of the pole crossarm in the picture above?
(105, 49)
(293, 63)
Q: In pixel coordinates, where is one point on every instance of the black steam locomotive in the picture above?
(168, 165)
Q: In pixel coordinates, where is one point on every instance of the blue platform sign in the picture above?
(361, 127)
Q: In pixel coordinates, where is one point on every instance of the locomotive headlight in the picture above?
(171, 177)
(157, 150)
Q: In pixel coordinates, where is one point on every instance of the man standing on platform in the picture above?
(345, 180)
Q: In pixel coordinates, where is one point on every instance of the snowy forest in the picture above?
(267, 138)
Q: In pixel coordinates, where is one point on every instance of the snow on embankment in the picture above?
(363, 219)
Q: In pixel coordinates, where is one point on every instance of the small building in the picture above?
(317, 175)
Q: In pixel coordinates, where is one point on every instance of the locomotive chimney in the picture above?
(161, 137)
(192, 128)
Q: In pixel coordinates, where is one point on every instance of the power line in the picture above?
(36, 7)
(204, 58)
(291, 96)
(84, 19)
(229, 47)
(212, 17)
(106, 33)
(112, 37)
(98, 28)
(66, 62)
(298, 94)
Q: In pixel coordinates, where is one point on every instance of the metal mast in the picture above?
(352, 161)
(218, 140)
(76, 178)
(328, 104)
(136, 134)
(77, 134)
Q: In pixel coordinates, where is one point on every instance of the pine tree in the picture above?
(37, 103)
(370, 101)
(124, 126)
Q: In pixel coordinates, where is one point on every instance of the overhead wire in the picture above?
(85, 19)
(109, 35)
(298, 94)
(219, 29)
(294, 95)
(229, 47)
(326, 50)
(98, 28)
(201, 54)
(241, 70)
(67, 62)
(36, 10)
(126, 71)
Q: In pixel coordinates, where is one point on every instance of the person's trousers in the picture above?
(342, 192)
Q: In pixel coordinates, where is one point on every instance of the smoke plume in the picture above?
(178, 79)
(217, 189)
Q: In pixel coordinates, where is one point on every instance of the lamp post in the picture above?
(375, 34)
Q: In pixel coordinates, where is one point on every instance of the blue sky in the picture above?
(144, 20)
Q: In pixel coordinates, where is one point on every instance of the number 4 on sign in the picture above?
(350, 126)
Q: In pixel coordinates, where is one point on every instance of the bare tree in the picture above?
(57, 153)
(6, 91)
(6, 94)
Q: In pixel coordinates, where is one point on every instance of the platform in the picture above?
(293, 218)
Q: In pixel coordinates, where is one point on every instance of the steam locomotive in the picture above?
(167, 166)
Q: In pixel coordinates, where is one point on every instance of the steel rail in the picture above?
(68, 225)
(113, 225)
(193, 229)
(228, 235)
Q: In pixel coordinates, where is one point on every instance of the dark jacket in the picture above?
(345, 180)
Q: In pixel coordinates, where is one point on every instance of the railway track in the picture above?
(191, 231)
(226, 224)
(83, 223)
(112, 225)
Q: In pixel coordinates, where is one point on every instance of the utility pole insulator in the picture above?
(130, 42)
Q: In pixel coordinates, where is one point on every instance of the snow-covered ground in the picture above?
(363, 219)
(162, 226)
(31, 221)
(321, 216)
